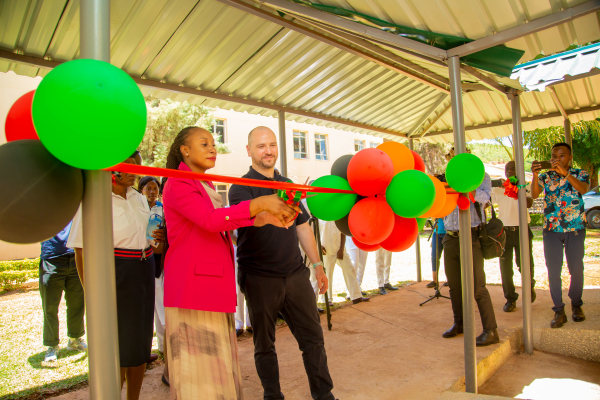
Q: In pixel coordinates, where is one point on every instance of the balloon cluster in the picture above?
(85, 114)
(393, 195)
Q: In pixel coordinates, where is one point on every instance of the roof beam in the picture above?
(485, 80)
(519, 31)
(424, 76)
(38, 62)
(427, 114)
(435, 119)
(557, 102)
(526, 119)
(363, 30)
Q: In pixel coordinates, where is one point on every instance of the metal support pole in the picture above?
(99, 267)
(282, 144)
(464, 223)
(568, 137)
(418, 242)
(523, 225)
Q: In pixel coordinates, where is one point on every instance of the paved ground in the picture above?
(388, 348)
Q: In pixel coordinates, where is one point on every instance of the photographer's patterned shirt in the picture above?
(563, 204)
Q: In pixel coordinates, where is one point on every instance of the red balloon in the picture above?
(19, 123)
(370, 172)
(371, 220)
(366, 247)
(419, 163)
(404, 234)
(463, 202)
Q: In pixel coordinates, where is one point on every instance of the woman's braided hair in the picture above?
(174, 158)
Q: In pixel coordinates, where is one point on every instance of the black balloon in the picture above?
(39, 194)
(340, 166)
(342, 225)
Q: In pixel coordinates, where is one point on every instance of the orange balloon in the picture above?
(449, 206)
(440, 198)
(400, 154)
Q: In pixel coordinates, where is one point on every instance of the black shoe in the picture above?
(165, 381)
(388, 286)
(445, 283)
(533, 295)
(454, 331)
(249, 329)
(510, 306)
(238, 332)
(487, 337)
(560, 318)
(382, 290)
(320, 310)
(363, 293)
(430, 285)
(578, 315)
(360, 300)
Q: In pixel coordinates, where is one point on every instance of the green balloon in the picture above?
(331, 206)
(89, 114)
(465, 172)
(410, 194)
(421, 223)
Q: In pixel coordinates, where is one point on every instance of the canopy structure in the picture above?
(380, 68)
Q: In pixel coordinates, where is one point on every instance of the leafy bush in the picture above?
(27, 264)
(536, 219)
(14, 273)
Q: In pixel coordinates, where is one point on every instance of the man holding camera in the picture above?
(509, 215)
(564, 226)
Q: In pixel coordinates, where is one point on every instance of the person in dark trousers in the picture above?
(274, 279)
(564, 227)
(453, 273)
(508, 210)
(58, 274)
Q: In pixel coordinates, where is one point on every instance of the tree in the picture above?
(165, 119)
(586, 145)
(433, 155)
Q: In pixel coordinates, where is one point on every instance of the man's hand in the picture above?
(558, 168)
(340, 254)
(264, 218)
(159, 235)
(529, 202)
(323, 251)
(536, 167)
(322, 282)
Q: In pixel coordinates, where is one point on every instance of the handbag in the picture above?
(491, 235)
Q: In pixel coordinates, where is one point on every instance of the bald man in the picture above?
(273, 277)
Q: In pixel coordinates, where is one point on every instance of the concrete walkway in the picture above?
(388, 348)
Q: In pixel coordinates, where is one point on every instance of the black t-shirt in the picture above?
(268, 250)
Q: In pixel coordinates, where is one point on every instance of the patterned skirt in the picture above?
(203, 355)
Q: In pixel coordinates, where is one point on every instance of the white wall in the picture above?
(13, 86)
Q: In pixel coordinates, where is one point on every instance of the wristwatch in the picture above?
(319, 264)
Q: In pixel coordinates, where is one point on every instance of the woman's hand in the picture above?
(264, 218)
(277, 207)
(159, 235)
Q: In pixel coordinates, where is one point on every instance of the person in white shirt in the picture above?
(134, 273)
(383, 267)
(508, 210)
(334, 252)
(359, 260)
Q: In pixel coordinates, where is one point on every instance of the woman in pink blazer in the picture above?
(199, 280)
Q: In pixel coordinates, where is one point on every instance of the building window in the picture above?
(320, 147)
(359, 145)
(300, 148)
(218, 129)
(373, 145)
(222, 190)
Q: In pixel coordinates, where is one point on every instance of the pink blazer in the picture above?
(199, 264)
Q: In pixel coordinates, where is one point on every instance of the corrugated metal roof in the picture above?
(536, 75)
(218, 49)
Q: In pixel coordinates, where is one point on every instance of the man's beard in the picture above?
(266, 164)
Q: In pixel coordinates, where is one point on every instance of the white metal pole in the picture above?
(99, 265)
(523, 225)
(282, 143)
(464, 223)
(418, 242)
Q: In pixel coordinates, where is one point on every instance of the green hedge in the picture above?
(14, 273)
(536, 219)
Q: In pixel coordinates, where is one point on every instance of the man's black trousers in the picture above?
(482, 296)
(294, 297)
(506, 263)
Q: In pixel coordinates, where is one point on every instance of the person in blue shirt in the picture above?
(58, 274)
(452, 265)
(436, 250)
(564, 227)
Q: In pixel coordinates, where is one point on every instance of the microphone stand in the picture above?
(437, 293)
